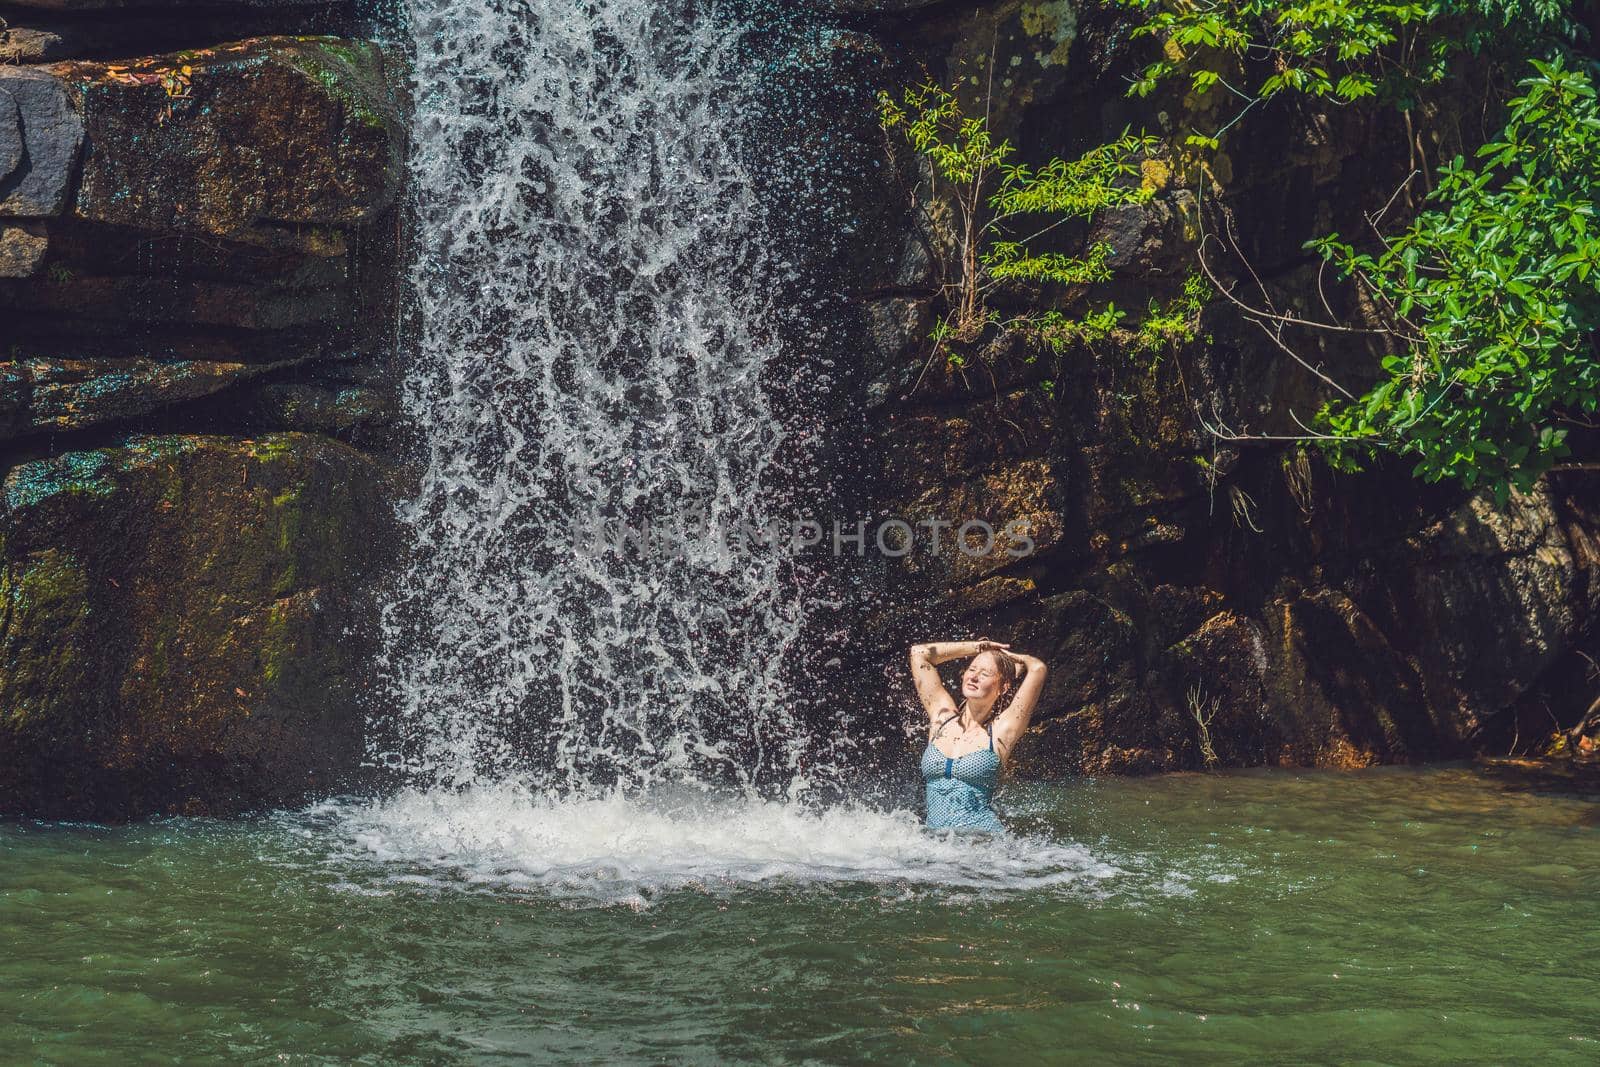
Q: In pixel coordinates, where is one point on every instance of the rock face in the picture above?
(266, 141)
(198, 246)
(103, 5)
(22, 249)
(874, 6)
(1201, 602)
(1301, 617)
(196, 277)
(40, 135)
(181, 629)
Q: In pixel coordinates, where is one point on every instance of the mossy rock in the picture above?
(182, 623)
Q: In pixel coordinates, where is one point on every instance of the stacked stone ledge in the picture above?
(194, 402)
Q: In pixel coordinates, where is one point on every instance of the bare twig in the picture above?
(918, 383)
(1373, 220)
(1203, 710)
(1034, 237)
(1220, 431)
(1277, 338)
(1297, 476)
(1260, 313)
(1322, 294)
(1269, 312)
(1244, 508)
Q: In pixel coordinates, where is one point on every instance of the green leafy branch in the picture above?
(1163, 325)
(990, 192)
(1341, 51)
(1495, 291)
(1490, 300)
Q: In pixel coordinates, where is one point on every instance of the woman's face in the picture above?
(981, 680)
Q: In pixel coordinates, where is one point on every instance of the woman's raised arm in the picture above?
(936, 700)
(1012, 723)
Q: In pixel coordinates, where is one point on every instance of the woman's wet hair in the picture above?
(1011, 670)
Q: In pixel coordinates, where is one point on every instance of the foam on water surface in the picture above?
(622, 850)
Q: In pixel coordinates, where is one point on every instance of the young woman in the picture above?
(968, 746)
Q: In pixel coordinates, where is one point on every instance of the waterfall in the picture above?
(593, 351)
(604, 200)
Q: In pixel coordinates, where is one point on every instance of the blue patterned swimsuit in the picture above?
(959, 789)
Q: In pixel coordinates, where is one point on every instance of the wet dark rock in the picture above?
(1342, 695)
(842, 196)
(1221, 670)
(23, 246)
(277, 141)
(187, 623)
(184, 624)
(73, 6)
(1302, 620)
(331, 410)
(896, 329)
(42, 35)
(30, 45)
(40, 135)
(65, 395)
(11, 152)
(150, 300)
(1198, 600)
(1482, 602)
(877, 5)
(1151, 239)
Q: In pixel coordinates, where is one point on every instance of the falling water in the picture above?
(595, 341)
(593, 347)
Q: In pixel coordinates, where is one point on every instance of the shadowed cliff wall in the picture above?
(198, 264)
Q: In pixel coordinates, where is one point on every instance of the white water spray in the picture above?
(610, 850)
(592, 340)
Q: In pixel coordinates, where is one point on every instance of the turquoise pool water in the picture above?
(1396, 916)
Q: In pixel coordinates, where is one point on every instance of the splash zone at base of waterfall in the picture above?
(616, 850)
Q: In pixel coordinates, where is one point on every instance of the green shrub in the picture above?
(1493, 293)
(990, 194)
(1342, 49)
